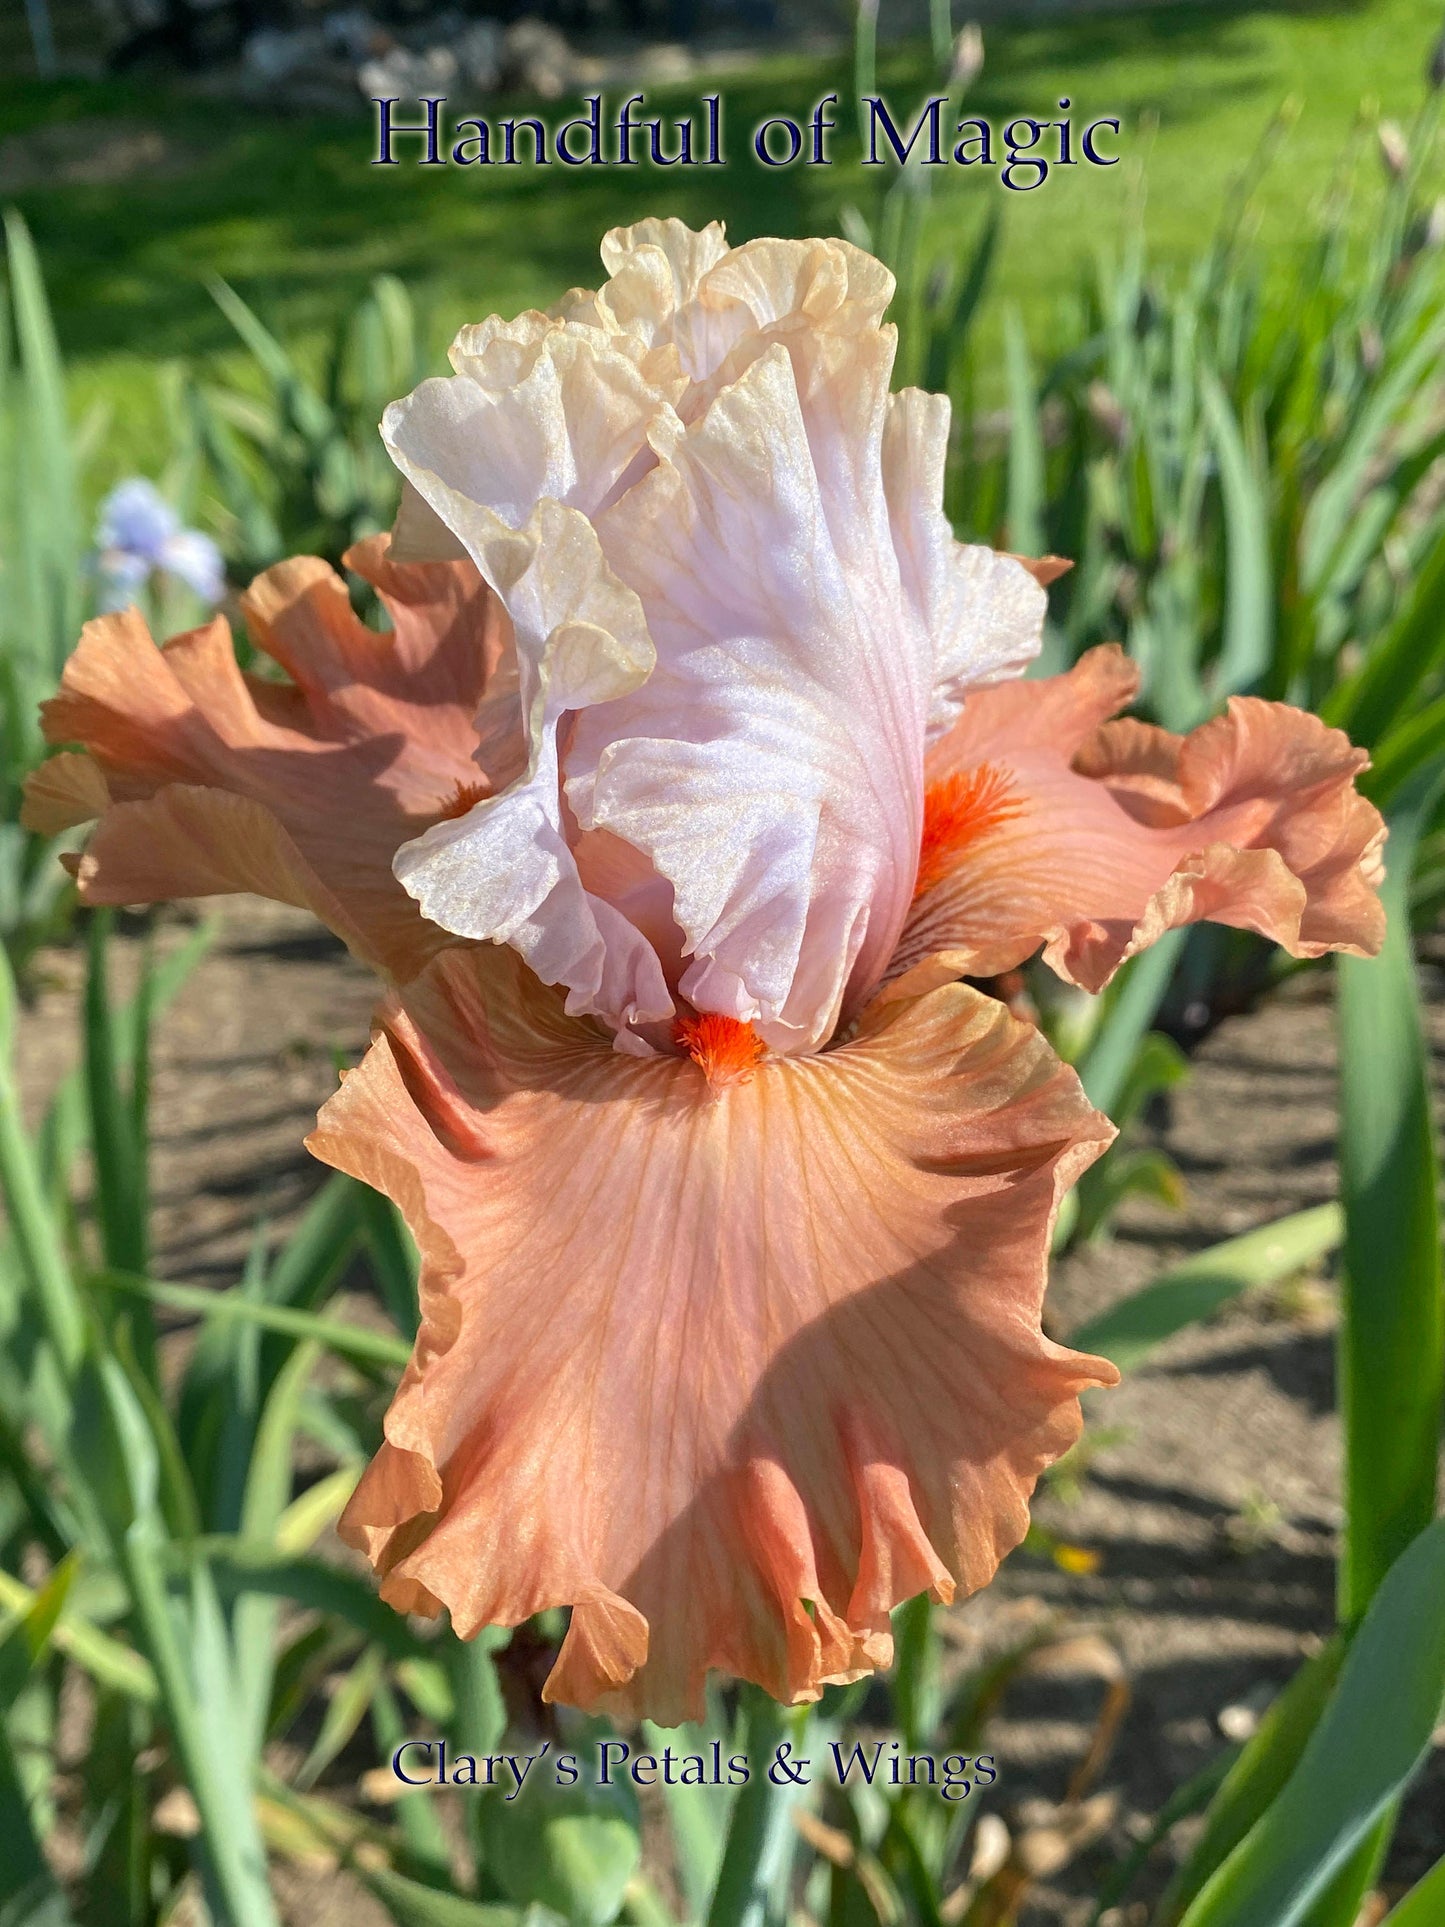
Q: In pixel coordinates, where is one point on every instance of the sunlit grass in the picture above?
(290, 211)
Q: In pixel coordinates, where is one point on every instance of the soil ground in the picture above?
(1210, 1496)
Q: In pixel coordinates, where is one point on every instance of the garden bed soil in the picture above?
(1209, 1500)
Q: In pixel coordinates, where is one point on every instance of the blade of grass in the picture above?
(135, 1022)
(267, 1491)
(118, 1150)
(106, 1659)
(1149, 1173)
(240, 1566)
(477, 1716)
(269, 1474)
(1027, 491)
(32, 1226)
(1424, 1905)
(1392, 1332)
(1334, 501)
(416, 1812)
(311, 1260)
(63, 1134)
(1255, 1778)
(350, 1341)
(47, 545)
(1196, 1792)
(1416, 741)
(1127, 1332)
(117, 1804)
(307, 1517)
(1341, 1903)
(1105, 1067)
(865, 58)
(29, 1893)
(410, 1904)
(310, 413)
(229, 1808)
(697, 1817)
(946, 341)
(45, 1517)
(1248, 644)
(393, 1259)
(1375, 699)
(759, 1836)
(27, 1639)
(188, 1653)
(915, 1675)
(358, 1845)
(1366, 1748)
(176, 1494)
(345, 1710)
(220, 1399)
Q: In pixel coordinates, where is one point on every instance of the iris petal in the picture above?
(1118, 831)
(208, 781)
(729, 1370)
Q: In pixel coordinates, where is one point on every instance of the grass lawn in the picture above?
(289, 210)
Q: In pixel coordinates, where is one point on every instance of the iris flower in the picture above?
(690, 779)
(139, 533)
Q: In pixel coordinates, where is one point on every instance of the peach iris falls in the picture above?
(685, 785)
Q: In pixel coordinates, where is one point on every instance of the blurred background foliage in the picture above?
(1221, 394)
(285, 208)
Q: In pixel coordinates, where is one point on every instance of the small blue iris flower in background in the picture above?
(139, 533)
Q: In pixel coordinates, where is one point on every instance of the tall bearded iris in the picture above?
(685, 786)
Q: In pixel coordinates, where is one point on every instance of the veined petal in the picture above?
(207, 781)
(689, 291)
(699, 470)
(813, 298)
(1100, 836)
(536, 412)
(984, 610)
(512, 455)
(770, 765)
(655, 268)
(729, 1374)
(505, 871)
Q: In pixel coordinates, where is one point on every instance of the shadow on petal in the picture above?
(733, 1375)
(205, 780)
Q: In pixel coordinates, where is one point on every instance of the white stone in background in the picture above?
(1240, 1720)
(537, 58)
(667, 64)
(401, 74)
